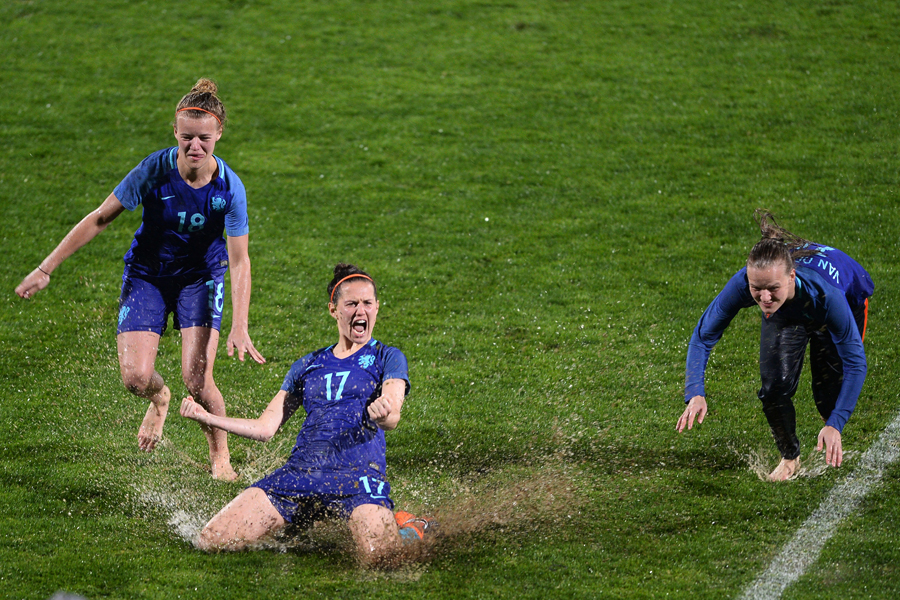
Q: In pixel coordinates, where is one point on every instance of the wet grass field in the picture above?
(548, 193)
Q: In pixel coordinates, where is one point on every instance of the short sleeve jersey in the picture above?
(337, 435)
(829, 286)
(181, 227)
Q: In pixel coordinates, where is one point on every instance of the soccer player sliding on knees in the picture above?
(176, 264)
(809, 294)
(352, 392)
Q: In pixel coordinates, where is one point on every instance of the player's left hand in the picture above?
(831, 439)
(241, 341)
(380, 410)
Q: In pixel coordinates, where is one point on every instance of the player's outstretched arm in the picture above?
(239, 336)
(260, 429)
(86, 230)
(385, 410)
(696, 408)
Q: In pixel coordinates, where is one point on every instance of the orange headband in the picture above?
(338, 284)
(201, 110)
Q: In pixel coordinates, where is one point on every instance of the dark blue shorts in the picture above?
(302, 495)
(145, 304)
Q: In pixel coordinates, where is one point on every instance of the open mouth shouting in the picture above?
(356, 310)
(360, 327)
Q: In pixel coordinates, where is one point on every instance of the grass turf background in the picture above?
(549, 194)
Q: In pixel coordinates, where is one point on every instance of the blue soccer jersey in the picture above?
(181, 228)
(829, 286)
(840, 271)
(337, 435)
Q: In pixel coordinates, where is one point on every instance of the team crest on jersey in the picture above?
(218, 203)
(366, 361)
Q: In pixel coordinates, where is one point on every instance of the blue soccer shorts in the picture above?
(301, 495)
(145, 304)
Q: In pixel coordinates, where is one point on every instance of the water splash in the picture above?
(512, 500)
(186, 525)
(813, 465)
(515, 501)
(179, 506)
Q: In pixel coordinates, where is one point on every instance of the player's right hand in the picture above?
(192, 410)
(32, 284)
(695, 408)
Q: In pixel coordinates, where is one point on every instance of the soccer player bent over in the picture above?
(809, 294)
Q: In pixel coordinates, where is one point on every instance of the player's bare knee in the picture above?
(136, 382)
(209, 541)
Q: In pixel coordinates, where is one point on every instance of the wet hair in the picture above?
(778, 245)
(343, 273)
(203, 99)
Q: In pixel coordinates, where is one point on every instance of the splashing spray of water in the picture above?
(761, 463)
(515, 499)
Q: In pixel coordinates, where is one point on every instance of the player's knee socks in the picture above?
(411, 529)
(410, 535)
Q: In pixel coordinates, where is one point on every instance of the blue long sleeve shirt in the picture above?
(828, 287)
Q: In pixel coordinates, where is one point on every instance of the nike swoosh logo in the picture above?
(167, 197)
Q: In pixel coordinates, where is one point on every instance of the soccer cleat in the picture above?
(413, 528)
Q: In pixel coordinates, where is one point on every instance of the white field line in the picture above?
(804, 549)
